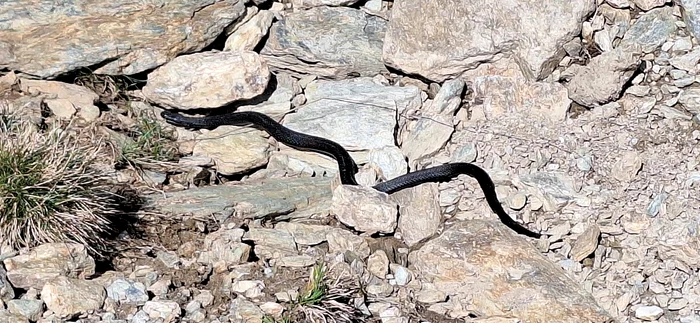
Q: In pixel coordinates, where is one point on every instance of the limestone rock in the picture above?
(207, 80)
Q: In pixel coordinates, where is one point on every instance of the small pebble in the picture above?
(518, 201)
(648, 313)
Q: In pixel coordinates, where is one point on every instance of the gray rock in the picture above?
(441, 39)
(340, 241)
(248, 35)
(326, 41)
(205, 297)
(519, 279)
(364, 209)
(687, 61)
(6, 290)
(47, 39)
(224, 245)
(296, 261)
(253, 199)
(141, 317)
(168, 311)
(656, 204)
(389, 160)
(683, 82)
(127, 292)
(271, 243)
(435, 126)
(7, 317)
(555, 189)
(318, 3)
(29, 308)
(48, 261)
(63, 99)
(378, 263)
(465, 153)
(305, 234)
(651, 30)
(243, 310)
(402, 275)
(691, 15)
(207, 80)
(357, 114)
(160, 288)
(234, 149)
(648, 313)
(67, 297)
(690, 99)
(509, 92)
(420, 212)
(647, 5)
(168, 258)
(601, 81)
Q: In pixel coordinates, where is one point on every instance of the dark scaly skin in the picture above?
(346, 164)
(287, 136)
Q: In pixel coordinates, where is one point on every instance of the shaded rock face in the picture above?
(441, 39)
(120, 37)
(497, 272)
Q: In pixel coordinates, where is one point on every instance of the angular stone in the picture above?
(234, 149)
(224, 245)
(420, 212)
(67, 297)
(248, 35)
(651, 29)
(271, 243)
(440, 39)
(357, 113)
(48, 261)
(207, 80)
(251, 199)
(484, 265)
(331, 42)
(47, 39)
(601, 81)
(365, 209)
(586, 243)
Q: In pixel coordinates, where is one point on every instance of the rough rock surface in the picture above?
(124, 37)
(470, 263)
(187, 81)
(421, 41)
(589, 133)
(331, 42)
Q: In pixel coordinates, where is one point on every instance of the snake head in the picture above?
(180, 120)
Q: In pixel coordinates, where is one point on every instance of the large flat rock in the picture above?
(441, 39)
(491, 270)
(47, 38)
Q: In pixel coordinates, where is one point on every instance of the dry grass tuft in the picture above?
(48, 190)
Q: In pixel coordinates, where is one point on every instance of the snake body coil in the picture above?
(346, 164)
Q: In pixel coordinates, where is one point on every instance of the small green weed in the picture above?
(149, 143)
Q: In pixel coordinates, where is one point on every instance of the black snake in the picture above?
(346, 164)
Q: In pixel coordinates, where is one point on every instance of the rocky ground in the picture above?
(586, 114)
